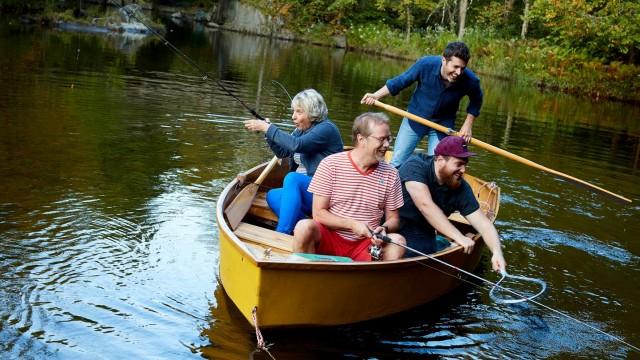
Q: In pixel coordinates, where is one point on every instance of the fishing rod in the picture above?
(388, 240)
(204, 74)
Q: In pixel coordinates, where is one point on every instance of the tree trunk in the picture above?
(462, 18)
(508, 6)
(408, 14)
(219, 15)
(508, 9)
(452, 16)
(525, 20)
(444, 9)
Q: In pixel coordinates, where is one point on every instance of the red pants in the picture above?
(331, 243)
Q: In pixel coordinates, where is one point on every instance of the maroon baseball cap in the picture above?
(453, 146)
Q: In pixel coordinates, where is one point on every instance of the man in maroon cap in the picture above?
(432, 189)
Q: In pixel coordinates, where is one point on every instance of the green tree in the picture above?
(604, 29)
(503, 18)
(406, 9)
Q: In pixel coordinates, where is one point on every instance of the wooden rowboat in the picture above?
(259, 271)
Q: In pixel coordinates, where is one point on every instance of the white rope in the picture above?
(495, 298)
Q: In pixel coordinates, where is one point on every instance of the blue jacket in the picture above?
(431, 99)
(314, 144)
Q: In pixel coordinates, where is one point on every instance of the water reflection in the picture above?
(111, 162)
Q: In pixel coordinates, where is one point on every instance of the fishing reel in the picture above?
(376, 252)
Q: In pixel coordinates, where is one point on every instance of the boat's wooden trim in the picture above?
(223, 226)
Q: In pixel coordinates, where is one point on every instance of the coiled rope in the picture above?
(495, 298)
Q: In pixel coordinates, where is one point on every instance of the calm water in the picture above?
(113, 153)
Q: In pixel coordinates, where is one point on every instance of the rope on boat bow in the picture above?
(260, 344)
(484, 204)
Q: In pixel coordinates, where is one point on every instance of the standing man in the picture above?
(433, 188)
(352, 190)
(442, 82)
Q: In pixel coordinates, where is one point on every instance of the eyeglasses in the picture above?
(383, 139)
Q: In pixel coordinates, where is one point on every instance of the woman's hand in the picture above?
(257, 125)
(241, 179)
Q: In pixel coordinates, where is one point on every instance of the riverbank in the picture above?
(527, 61)
(92, 19)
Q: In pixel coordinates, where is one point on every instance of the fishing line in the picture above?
(276, 84)
(187, 59)
(283, 89)
(388, 240)
(277, 94)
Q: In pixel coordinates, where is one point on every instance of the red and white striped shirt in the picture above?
(356, 195)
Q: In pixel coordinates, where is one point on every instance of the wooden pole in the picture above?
(501, 152)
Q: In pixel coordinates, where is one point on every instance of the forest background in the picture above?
(584, 47)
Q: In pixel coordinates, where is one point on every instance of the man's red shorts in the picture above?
(332, 243)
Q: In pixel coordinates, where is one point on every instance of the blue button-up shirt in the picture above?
(431, 98)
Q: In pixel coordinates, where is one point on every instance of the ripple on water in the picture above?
(554, 335)
(549, 239)
(81, 271)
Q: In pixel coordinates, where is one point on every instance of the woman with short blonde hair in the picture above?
(314, 138)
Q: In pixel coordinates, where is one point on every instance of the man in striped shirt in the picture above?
(352, 190)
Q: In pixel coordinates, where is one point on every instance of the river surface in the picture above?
(113, 152)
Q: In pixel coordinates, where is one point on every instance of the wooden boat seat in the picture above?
(272, 245)
(260, 208)
(265, 237)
